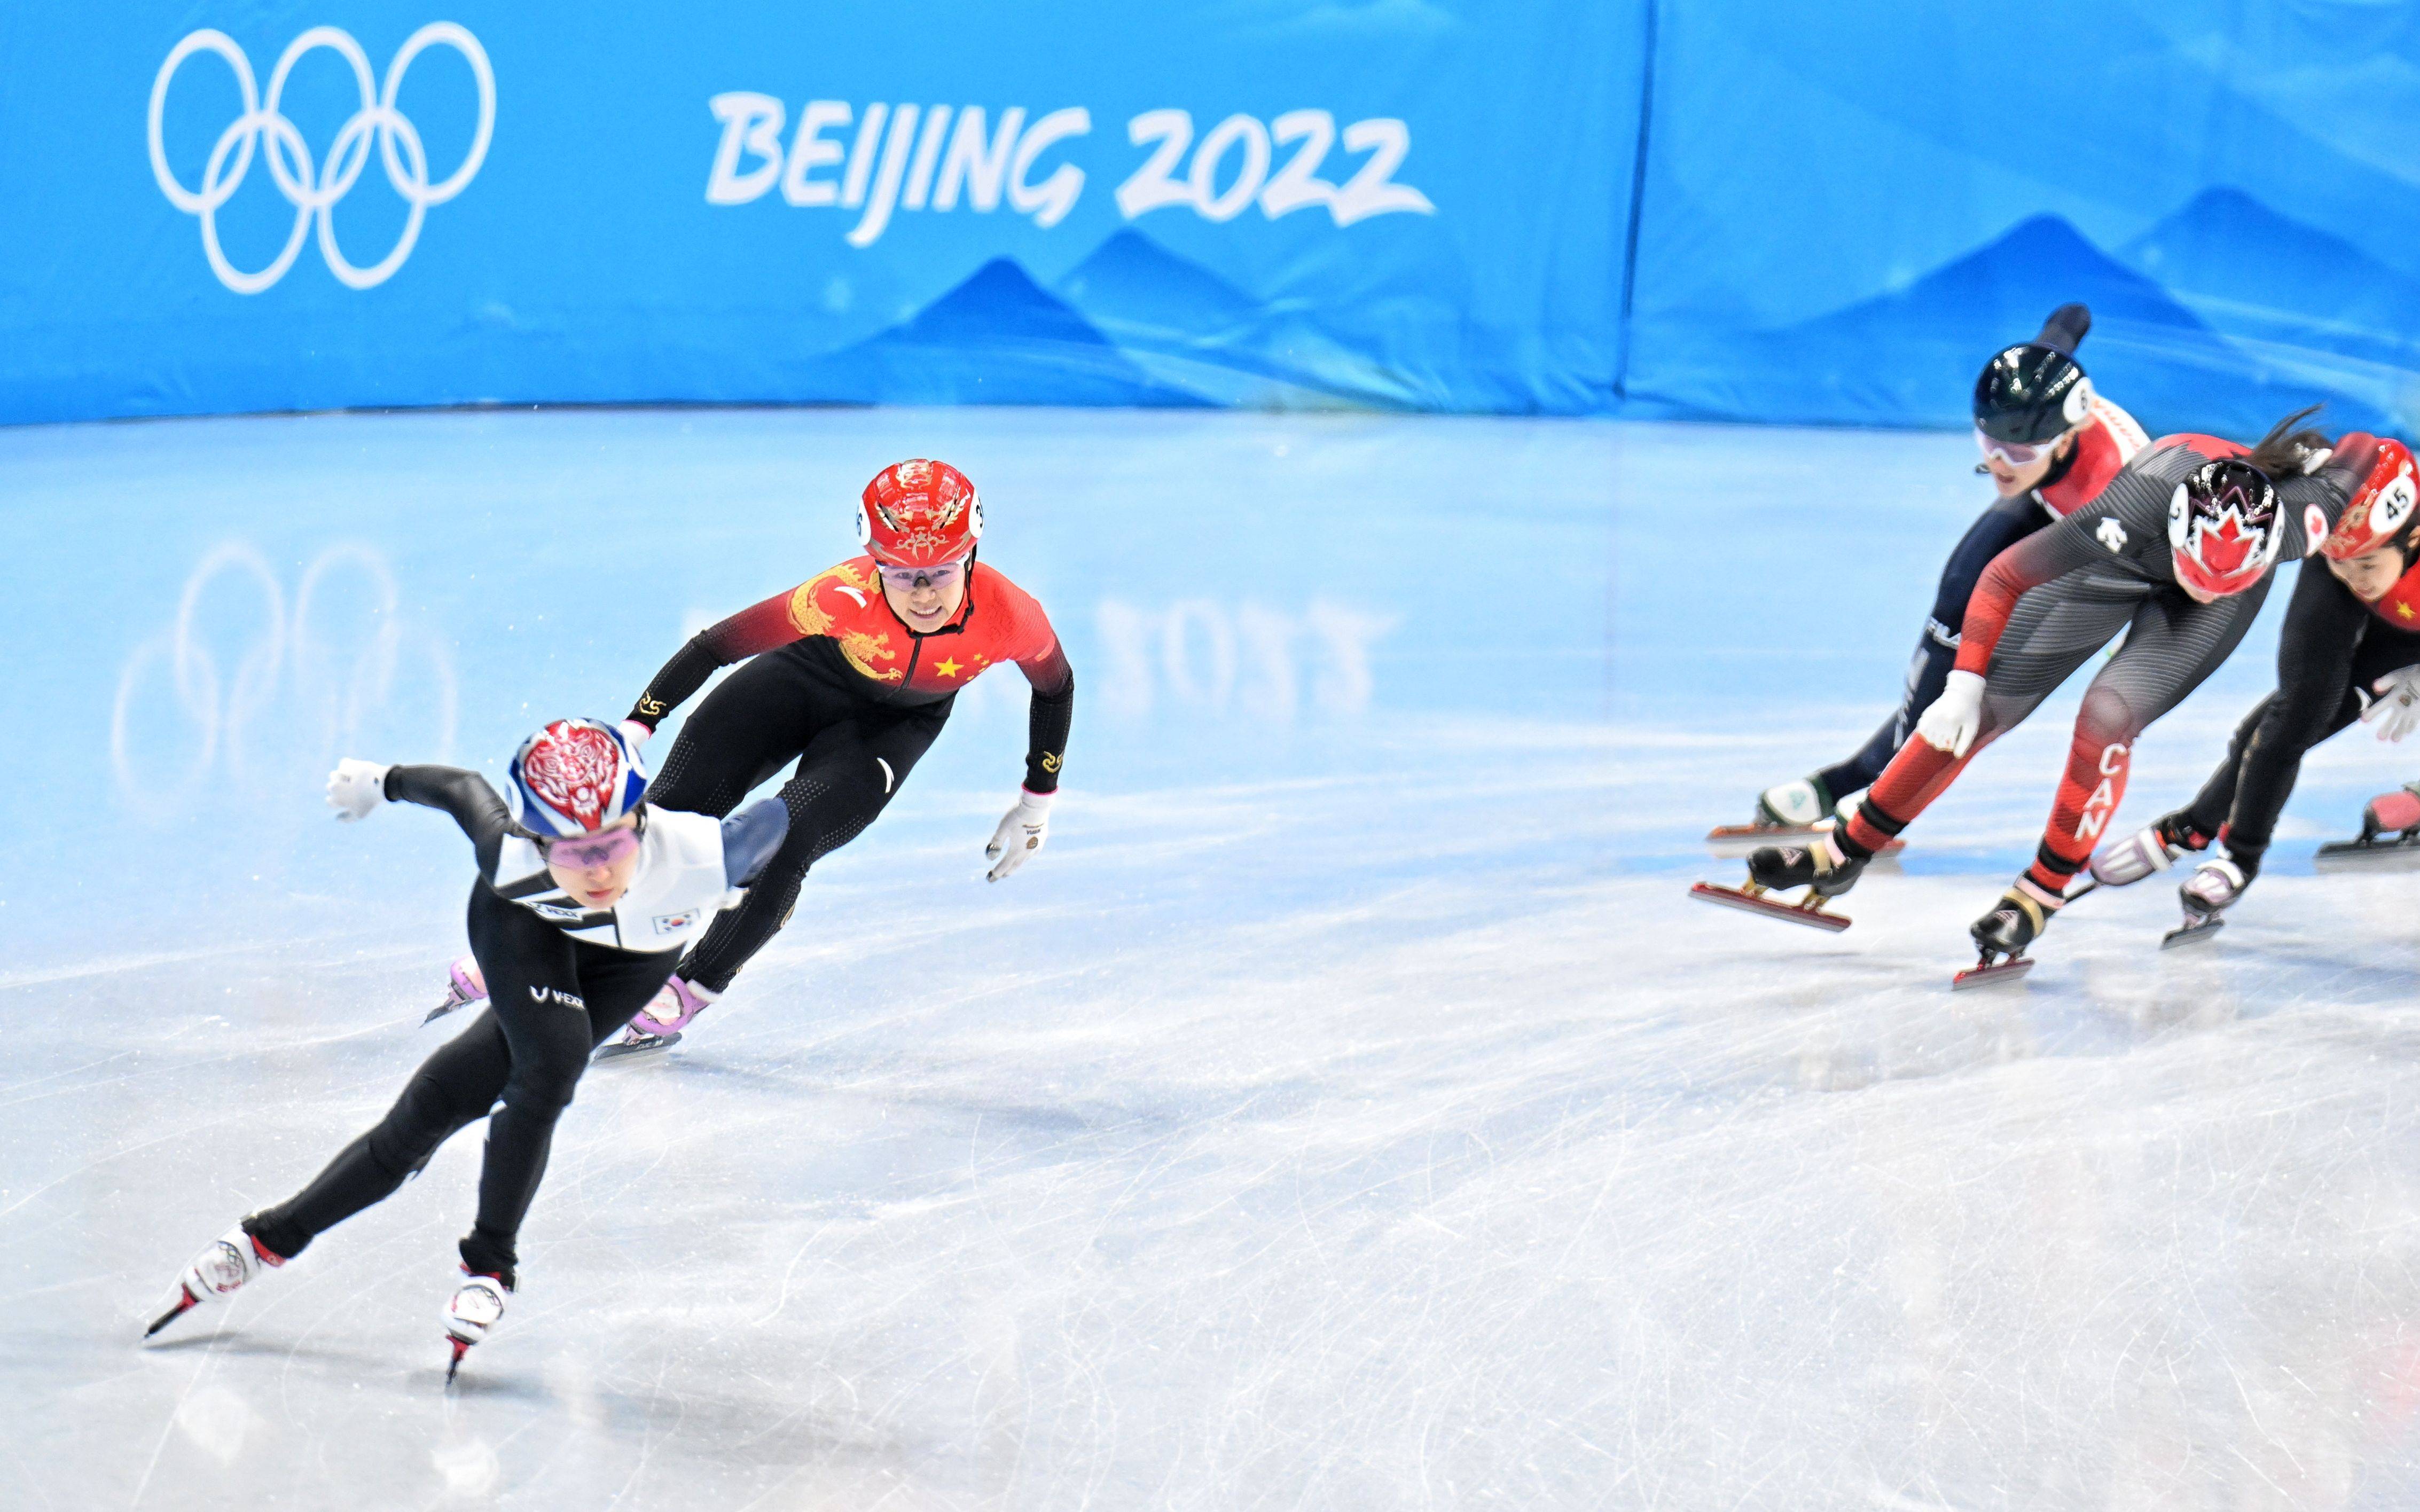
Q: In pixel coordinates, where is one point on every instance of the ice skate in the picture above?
(2153, 849)
(658, 1026)
(2002, 935)
(464, 986)
(1784, 810)
(2390, 830)
(233, 1259)
(1818, 866)
(2206, 894)
(476, 1306)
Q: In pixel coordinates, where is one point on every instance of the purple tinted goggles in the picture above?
(585, 853)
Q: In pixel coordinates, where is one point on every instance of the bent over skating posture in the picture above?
(853, 675)
(2178, 552)
(2351, 649)
(585, 898)
(2050, 444)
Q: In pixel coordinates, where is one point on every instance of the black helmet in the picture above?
(2029, 393)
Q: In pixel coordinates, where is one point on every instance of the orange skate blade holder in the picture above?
(1755, 899)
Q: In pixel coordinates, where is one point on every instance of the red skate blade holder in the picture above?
(1810, 913)
(1983, 973)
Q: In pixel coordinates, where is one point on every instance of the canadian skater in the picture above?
(2050, 444)
(853, 675)
(2349, 650)
(586, 894)
(2178, 553)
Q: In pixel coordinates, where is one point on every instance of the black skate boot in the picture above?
(1821, 866)
(2002, 935)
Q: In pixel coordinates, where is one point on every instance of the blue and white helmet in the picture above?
(574, 778)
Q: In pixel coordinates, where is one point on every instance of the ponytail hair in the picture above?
(2285, 451)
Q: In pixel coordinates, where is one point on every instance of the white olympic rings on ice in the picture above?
(309, 696)
(313, 191)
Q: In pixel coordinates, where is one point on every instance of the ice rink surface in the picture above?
(1348, 1110)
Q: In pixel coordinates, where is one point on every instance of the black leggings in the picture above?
(853, 754)
(2332, 648)
(551, 1000)
(1999, 528)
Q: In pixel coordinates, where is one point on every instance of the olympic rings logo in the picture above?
(313, 190)
(297, 697)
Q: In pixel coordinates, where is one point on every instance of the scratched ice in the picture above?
(1349, 1110)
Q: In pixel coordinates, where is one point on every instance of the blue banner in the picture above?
(1834, 216)
(1395, 203)
(1846, 209)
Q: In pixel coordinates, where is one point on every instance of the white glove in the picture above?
(356, 787)
(635, 733)
(1956, 717)
(2397, 703)
(1020, 835)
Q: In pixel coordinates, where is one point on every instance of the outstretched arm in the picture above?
(756, 628)
(356, 787)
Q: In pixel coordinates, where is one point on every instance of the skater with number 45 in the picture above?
(2178, 553)
(2349, 650)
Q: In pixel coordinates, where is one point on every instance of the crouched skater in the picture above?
(851, 675)
(586, 896)
(2178, 553)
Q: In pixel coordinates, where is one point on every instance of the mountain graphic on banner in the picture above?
(1000, 338)
(2149, 351)
(2256, 274)
(1186, 325)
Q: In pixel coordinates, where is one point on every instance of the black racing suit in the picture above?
(2332, 649)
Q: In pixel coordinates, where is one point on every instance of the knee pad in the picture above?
(541, 1093)
(2107, 717)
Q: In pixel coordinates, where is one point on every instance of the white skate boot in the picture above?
(232, 1259)
(478, 1306)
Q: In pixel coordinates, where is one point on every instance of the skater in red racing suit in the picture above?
(2050, 444)
(852, 677)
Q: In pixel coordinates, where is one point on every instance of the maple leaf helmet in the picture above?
(2223, 528)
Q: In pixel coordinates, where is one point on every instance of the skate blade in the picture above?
(1810, 914)
(628, 1049)
(183, 1305)
(2388, 853)
(1733, 841)
(450, 1005)
(2193, 929)
(454, 1365)
(1981, 975)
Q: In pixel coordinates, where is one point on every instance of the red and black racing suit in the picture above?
(840, 685)
(2046, 606)
(2332, 649)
